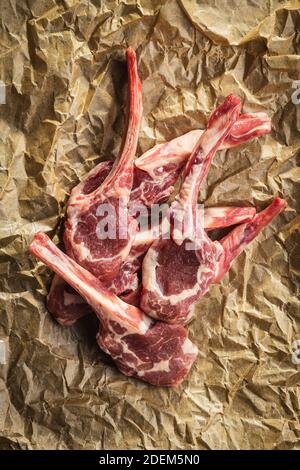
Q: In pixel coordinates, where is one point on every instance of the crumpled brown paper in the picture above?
(63, 66)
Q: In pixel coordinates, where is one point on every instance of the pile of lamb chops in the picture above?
(143, 286)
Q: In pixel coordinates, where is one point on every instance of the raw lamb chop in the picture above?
(152, 185)
(157, 170)
(169, 157)
(174, 279)
(64, 302)
(175, 274)
(67, 306)
(155, 352)
(103, 257)
(178, 271)
(236, 240)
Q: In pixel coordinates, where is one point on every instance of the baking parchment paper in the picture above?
(62, 63)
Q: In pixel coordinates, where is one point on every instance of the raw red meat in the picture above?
(150, 185)
(67, 306)
(157, 170)
(83, 241)
(235, 242)
(64, 303)
(126, 283)
(155, 352)
(171, 297)
(148, 173)
(178, 271)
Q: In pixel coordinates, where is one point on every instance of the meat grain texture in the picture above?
(62, 116)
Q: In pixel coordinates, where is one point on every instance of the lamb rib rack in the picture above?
(177, 272)
(103, 257)
(155, 352)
